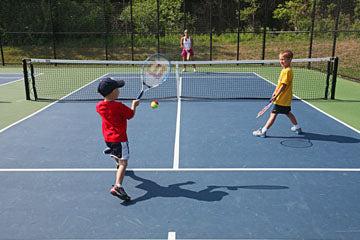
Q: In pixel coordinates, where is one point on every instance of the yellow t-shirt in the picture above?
(285, 97)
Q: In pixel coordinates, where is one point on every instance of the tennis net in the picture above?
(47, 79)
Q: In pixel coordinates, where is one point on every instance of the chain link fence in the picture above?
(221, 29)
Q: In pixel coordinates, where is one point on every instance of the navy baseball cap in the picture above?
(107, 85)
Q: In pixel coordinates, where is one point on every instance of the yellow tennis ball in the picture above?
(154, 104)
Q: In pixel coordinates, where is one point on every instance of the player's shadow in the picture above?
(330, 138)
(321, 137)
(208, 194)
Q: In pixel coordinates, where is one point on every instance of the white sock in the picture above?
(119, 185)
(263, 130)
(297, 126)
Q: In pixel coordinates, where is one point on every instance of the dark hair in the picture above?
(287, 54)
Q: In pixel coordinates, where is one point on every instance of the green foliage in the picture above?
(248, 13)
(295, 13)
(146, 16)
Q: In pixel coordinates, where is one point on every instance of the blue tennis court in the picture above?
(6, 78)
(195, 172)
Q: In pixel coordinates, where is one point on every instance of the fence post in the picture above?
(312, 31)
(2, 52)
(211, 30)
(264, 33)
(105, 31)
(53, 29)
(158, 25)
(238, 34)
(336, 27)
(184, 14)
(132, 31)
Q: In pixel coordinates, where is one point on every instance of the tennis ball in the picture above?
(154, 104)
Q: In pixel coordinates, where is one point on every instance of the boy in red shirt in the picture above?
(114, 125)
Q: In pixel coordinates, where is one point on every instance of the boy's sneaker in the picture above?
(259, 133)
(195, 70)
(120, 193)
(184, 70)
(297, 131)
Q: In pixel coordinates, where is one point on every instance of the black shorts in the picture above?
(281, 109)
(120, 150)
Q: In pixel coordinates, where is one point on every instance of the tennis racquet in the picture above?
(154, 72)
(188, 55)
(265, 108)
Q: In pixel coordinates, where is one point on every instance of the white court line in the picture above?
(16, 79)
(171, 235)
(177, 131)
(341, 122)
(330, 116)
(182, 169)
(47, 106)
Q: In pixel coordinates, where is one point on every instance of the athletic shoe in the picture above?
(120, 193)
(258, 133)
(107, 151)
(195, 70)
(297, 131)
(184, 70)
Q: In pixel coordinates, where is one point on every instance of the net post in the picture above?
(327, 80)
(33, 80)
(26, 79)
(334, 77)
(2, 52)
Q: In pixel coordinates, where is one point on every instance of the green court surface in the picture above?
(14, 107)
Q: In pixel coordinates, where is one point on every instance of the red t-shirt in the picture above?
(114, 117)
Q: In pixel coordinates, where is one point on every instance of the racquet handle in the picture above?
(140, 95)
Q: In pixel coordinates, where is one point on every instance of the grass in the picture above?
(224, 47)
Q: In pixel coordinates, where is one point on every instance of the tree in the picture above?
(145, 15)
(250, 11)
(297, 13)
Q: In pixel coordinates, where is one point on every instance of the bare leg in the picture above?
(121, 171)
(292, 118)
(271, 120)
(192, 59)
(184, 61)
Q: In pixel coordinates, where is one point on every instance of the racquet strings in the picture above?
(155, 71)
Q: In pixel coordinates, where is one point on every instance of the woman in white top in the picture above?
(187, 44)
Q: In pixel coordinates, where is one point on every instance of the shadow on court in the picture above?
(208, 194)
(330, 138)
(321, 137)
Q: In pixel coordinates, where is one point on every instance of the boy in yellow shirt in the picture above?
(282, 96)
